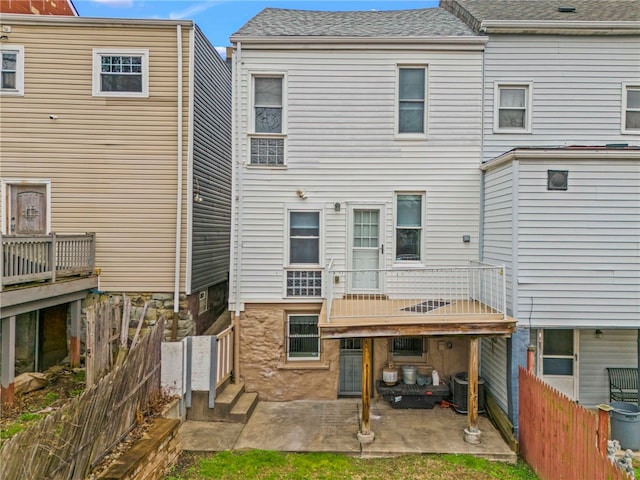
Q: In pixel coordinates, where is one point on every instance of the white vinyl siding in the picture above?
(120, 72)
(576, 80)
(578, 252)
(631, 109)
(12, 70)
(342, 148)
(616, 348)
(493, 369)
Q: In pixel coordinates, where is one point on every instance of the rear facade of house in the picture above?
(116, 171)
(561, 188)
(357, 141)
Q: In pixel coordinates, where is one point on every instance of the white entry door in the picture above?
(558, 359)
(367, 248)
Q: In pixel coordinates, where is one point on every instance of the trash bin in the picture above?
(625, 424)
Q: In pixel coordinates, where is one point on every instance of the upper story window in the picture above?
(412, 101)
(631, 109)
(267, 139)
(409, 227)
(12, 75)
(120, 73)
(304, 252)
(512, 112)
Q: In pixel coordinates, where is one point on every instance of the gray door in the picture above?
(350, 367)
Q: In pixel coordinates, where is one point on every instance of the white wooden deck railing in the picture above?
(224, 360)
(30, 258)
(477, 289)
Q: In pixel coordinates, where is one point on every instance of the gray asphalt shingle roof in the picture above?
(426, 22)
(547, 10)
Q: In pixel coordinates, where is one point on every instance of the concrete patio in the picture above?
(331, 426)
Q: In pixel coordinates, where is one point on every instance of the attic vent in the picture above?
(567, 9)
(557, 179)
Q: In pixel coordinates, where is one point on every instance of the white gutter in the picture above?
(29, 19)
(190, 175)
(303, 41)
(176, 283)
(565, 154)
(560, 27)
(237, 155)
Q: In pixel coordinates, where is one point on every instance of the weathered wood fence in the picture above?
(71, 441)
(558, 437)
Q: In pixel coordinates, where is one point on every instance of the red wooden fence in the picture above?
(559, 438)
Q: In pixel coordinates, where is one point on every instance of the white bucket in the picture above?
(409, 374)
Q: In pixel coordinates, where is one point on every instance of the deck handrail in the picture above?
(475, 289)
(32, 258)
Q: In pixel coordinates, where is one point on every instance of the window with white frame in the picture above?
(412, 100)
(267, 140)
(631, 109)
(303, 337)
(512, 108)
(12, 73)
(409, 226)
(304, 250)
(121, 72)
(203, 301)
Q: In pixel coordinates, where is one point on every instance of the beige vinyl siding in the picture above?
(577, 88)
(340, 147)
(111, 161)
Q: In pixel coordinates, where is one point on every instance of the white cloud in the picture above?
(193, 10)
(222, 51)
(116, 3)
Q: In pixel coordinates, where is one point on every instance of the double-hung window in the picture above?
(412, 101)
(303, 337)
(304, 277)
(409, 228)
(120, 73)
(267, 139)
(512, 112)
(631, 109)
(12, 74)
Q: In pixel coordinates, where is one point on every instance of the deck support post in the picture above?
(74, 340)
(7, 376)
(472, 433)
(365, 435)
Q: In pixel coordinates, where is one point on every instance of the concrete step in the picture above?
(224, 402)
(243, 409)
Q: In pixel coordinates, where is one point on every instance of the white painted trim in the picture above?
(595, 153)
(626, 86)
(5, 184)
(29, 19)
(423, 236)
(135, 52)
(19, 90)
(412, 136)
(298, 42)
(515, 240)
(556, 27)
(528, 88)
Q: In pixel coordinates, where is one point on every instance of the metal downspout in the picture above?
(238, 162)
(176, 284)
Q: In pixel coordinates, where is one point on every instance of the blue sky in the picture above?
(218, 19)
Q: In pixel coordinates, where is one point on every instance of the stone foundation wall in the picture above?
(263, 361)
(151, 457)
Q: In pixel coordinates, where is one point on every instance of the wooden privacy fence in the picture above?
(558, 438)
(71, 441)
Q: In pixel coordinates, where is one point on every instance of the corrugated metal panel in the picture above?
(579, 249)
(616, 348)
(111, 161)
(493, 369)
(211, 166)
(341, 148)
(577, 87)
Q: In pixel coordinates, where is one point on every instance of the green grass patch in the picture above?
(270, 465)
(19, 424)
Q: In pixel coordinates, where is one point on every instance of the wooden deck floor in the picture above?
(385, 317)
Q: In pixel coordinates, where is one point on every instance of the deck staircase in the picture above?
(232, 404)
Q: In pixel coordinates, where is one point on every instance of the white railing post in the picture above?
(329, 289)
